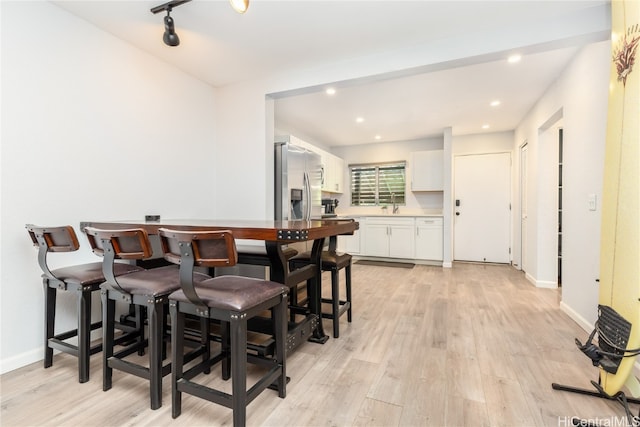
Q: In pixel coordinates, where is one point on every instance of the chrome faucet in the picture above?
(393, 200)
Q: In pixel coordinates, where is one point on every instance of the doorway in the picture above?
(482, 221)
(524, 163)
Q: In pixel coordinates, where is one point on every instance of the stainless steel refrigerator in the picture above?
(298, 182)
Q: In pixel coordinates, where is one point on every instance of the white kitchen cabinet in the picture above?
(332, 173)
(389, 237)
(429, 239)
(427, 170)
(337, 175)
(350, 243)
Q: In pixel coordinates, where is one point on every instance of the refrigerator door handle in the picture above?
(307, 197)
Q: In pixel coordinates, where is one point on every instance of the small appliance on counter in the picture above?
(329, 207)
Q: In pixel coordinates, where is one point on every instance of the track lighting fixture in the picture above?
(170, 37)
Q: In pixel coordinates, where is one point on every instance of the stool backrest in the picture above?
(129, 244)
(52, 239)
(197, 248)
(207, 248)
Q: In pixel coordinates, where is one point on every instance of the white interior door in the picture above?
(482, 208)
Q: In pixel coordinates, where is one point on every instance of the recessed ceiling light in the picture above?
(330, 91)
(514, 58)
(485, 126)
(495, 103)
(359, 119)
(377, 137)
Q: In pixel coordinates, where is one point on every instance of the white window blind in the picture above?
(378, 184)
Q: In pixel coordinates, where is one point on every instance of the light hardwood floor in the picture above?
(474, 345)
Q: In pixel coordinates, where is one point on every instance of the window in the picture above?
(377, 184)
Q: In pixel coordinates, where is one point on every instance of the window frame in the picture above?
(376, 191)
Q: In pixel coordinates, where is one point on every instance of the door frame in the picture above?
(522, 185)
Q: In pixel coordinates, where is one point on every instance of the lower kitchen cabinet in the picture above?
(350, 243)
(429, 237)
(389, 237)
(419, 238)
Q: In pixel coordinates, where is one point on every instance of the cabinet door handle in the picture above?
(418, 231)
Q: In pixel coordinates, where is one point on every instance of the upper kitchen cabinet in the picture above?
(333, 175)
(427, 170)
(332, 166)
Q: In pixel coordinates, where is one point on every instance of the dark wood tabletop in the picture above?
(267, 230)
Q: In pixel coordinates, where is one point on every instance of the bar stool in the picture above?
(255, 257)
(148, 289)
(292, 280)
(231, 300)
(333, 262)
(83, 280)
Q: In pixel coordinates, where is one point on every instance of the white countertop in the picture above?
(408, 214)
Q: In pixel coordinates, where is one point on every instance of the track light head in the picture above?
(170, 37)
(240, 6)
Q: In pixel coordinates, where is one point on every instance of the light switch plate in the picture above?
(592, 202)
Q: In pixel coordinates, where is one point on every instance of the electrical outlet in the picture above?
(592, 200)
(152, 218)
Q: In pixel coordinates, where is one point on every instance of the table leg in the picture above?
(315, 303)
(278, 267)
(279, 271)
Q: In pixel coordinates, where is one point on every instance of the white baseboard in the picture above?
(581, 321)
(540, 283)
(20, 360)
(546, 284)
(530, 278)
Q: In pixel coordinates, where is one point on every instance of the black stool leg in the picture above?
(239, 370)
(280, 317)
(108, 330)
(84, 333)
(140, 315)
(49, 321)
(347, 281)
(177, 357)
(335, 301)
(225, 340)
(205, 341)
(155, 313)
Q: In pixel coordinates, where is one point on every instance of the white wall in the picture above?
(482, 143)
(92, 128)
(579, 97)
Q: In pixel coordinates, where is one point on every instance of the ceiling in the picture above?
(221, 47)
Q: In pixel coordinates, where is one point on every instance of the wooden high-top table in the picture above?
(274, 234)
